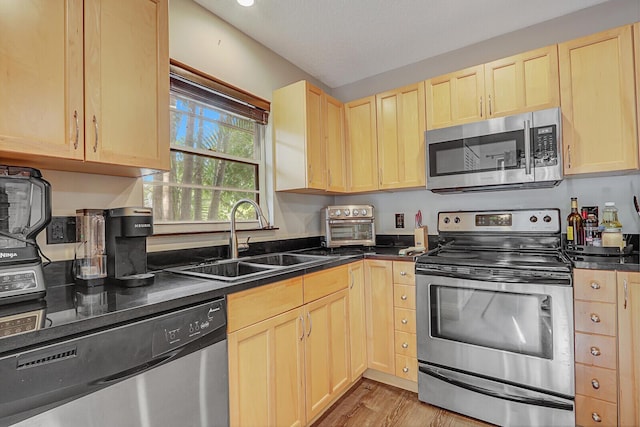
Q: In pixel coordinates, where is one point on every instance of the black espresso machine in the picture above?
(25, 210)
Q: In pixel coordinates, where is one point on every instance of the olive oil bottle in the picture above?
(575, 226)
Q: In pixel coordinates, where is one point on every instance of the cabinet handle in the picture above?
(595, 383)
(403, 273)
(595, 285)
(405, 369)
(77, 139)
(95, 126)
(595, 351)
(302, 323)
(404, 321)
(489, 104)
(481, 106)
(351, 274)
(569, 156)
(405, 345)
(403, 297)
(329, 178)
(310, 323)
(310, 174)
(595, 318)
(595, 417)
(626, 293)
(380, 176)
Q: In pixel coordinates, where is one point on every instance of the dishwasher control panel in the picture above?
(183, 327)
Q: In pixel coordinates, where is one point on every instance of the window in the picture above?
(217, 155)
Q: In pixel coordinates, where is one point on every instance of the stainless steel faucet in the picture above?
(233, 239)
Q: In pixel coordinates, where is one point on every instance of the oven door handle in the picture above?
(350, 221)
(496, 277)
(548, 402)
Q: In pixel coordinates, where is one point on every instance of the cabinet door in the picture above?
(326, 351)
(598, 102)
(455, 98)
(629, 347)
(401, 125)
(41, 112)
(266, 372)
(378, 279)
(362, 149)
(357, 320)
(335, 144)
(316, 153)
(525, 82)
(127, 83)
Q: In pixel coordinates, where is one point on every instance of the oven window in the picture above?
(350, 231)
(477, 154)
(518, 323)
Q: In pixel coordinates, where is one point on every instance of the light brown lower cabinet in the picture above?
(629, 347)
(357, 320)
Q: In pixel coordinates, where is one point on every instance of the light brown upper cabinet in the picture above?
(362, 145)
(598, 101)
(401, 126)
(308, 128)
(86, 85)
(519, 83)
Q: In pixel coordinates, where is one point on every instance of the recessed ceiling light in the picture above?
(245, 3)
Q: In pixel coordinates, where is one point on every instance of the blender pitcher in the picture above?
(90, 255)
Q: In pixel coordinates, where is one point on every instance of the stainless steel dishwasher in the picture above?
(164, 370)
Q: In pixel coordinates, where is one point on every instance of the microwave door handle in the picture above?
(527, 147)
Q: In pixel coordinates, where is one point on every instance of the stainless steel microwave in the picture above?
(519, 151)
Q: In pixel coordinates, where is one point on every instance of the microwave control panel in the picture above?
(545, 145)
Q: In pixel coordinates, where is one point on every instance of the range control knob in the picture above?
(347, 212)
(533, 218)
(546, 218)
(446, 220)
(356, 212)
(456, 220)
(363, 212)
(337, 212)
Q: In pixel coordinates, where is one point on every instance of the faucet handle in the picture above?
(243, 246)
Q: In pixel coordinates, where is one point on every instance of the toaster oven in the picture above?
(349, 225)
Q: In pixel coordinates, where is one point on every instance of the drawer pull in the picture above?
(595, 383)
(595, 417)
(405, 345)
(405, 369)
(595, 285)
(595, 318)
(403, 297)
(404, 321)
(595, 351)
(403, 273)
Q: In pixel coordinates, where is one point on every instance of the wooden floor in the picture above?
(370, 403)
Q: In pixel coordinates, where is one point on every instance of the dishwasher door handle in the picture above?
(137, 369)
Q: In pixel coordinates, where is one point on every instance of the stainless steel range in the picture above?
(495, 318)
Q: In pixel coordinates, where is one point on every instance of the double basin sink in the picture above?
(250, 267)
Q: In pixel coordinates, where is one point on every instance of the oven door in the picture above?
(520, 333)
(350, 232)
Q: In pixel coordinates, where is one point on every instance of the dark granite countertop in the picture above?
(630, 262)
(71, 309)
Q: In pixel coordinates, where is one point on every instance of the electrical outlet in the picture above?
(399, 220)
(61, 229)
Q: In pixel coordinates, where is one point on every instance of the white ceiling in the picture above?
(343, 41)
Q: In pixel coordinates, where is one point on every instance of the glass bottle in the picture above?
(591, 231)
(575, 232)
(611, 227)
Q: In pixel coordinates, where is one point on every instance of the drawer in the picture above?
(404, 296)
(406, 344)
(253, 305)
(325, 282)
(596, 350)
(405, 320)
(407, 367)
(595, 317)
(594, 285)
(588, 410)
(596, 382)
(404, 273)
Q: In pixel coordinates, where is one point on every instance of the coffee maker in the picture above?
(25, 210)
(126, 243)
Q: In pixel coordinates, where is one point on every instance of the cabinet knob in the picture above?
(595, 351)
(595, 285)
(404, 321)
(595, 318)
(405, 369)
(403, 297)
(595, 383)
(403, 273)
(405, 345)
(595, 417)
